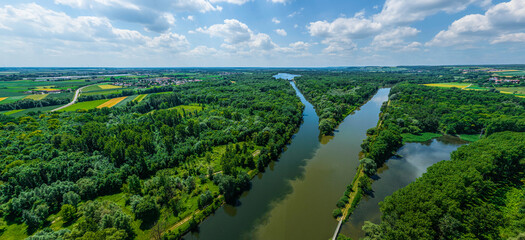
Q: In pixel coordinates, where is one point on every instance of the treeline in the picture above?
(165, 160)
(126, 92)
(336, 94)
(415, 109)
(334, 97)
(30, 103)
(478, 194)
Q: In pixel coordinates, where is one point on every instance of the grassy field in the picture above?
(510, 73)
(111, 102)
(23, 112)
(477, 88)
(102, 92)
(108, 86)
(469, 137)
(139, 98)
(187, 108)
(93, 88)
(448, 85)
(423, 137)
(512, 90)
(36, 97)
(85, 105)
(12, 99)
(18, 87)
(13, 111)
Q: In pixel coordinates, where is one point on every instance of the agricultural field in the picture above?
(512, 90)
(111, 102)
(139, 98)
(36, 97)
(126, 100)
(449, 85)
(3, 98)
(510, 73)
(108, 86)
(19, 87)
(23, 112)
(517, 91)
(12, 99)
(85, 105)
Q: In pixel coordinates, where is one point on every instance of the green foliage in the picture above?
(422, 137)
(68, 212)
(369, 166)
(337, 213)
(334, 96)
(155, 148)
(205, 199)
(144, 208)
(460, 198)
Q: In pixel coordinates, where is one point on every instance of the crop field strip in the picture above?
(139, 98)
(3, 98)
(111, 102)
(36, 97)
(85, 105)
(126, 101)
(107, 86)
(448, 85)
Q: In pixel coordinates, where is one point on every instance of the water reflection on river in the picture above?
(397, 173)
(294, 199)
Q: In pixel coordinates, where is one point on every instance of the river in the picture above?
(396, 173)
(295, 197)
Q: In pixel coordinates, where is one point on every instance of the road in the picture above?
(75, 98)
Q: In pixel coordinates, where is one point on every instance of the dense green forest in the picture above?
(464, 198)
(414, 109)
(478, 194)
(138, 170)
(336, 94)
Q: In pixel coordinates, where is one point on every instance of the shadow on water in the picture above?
(397, 173)
(271, 186)
(294, 198)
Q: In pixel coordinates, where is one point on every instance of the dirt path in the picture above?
(186, 219)
(348, 206)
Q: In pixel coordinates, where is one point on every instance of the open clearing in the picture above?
(85, 105)
(448, 85)
(140, 97)
(13, 111)
(111, 102)
(36, 97)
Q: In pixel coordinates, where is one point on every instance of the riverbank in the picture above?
(294, 198)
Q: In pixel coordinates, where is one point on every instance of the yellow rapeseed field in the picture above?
(448, 85)
(111, 102)
(139, 98)
(3, 98)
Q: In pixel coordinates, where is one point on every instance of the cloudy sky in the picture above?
(263, 33)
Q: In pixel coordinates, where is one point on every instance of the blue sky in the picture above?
(261, 33)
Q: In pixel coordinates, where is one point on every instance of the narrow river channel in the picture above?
(397, 173)
(295, 197)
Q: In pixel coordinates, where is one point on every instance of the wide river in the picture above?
(295, 197)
